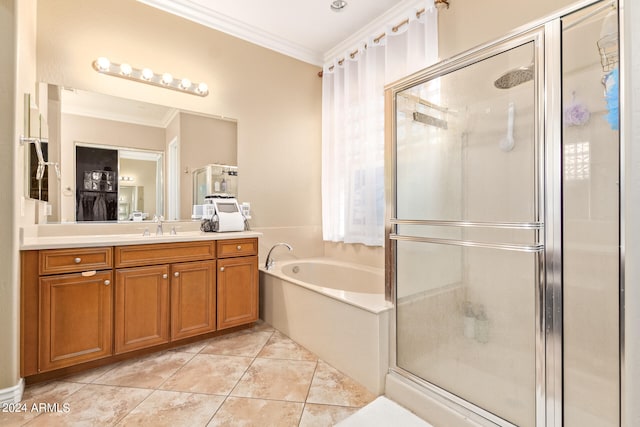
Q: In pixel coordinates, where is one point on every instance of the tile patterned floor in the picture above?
(255, 377)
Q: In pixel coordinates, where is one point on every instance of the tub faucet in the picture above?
(269, 262)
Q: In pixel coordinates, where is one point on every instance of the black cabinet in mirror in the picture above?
(96, 184)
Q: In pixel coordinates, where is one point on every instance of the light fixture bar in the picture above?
(145, 75)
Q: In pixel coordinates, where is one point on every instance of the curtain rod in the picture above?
(376, 40)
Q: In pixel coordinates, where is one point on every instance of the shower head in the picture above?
(514, 77)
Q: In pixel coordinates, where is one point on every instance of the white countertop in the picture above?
(93, 240)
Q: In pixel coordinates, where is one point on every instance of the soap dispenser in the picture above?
(223, 186)
(482, 325)
(469, 320)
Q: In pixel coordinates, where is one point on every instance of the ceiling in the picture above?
(107, 107)
(304, 29)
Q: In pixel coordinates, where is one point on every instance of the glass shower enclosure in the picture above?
(475, 227)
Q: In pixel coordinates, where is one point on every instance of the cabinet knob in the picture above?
(164, 276)
(221, 268)
(239, 247)
(176, 274)
(77, 260)
(107, 282)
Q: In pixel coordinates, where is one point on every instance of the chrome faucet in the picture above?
(270, 262)
(158, 219)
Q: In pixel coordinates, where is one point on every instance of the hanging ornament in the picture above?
(576, 113)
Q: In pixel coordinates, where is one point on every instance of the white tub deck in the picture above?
(349, 331)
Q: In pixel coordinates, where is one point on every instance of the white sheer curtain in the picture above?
(353, 126)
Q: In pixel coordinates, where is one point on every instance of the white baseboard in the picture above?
(12, 394)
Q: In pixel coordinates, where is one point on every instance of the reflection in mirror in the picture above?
(140, 192)
(117, 183)
(96, 184)
(189, 140)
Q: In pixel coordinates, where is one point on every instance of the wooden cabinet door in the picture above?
(237, 291)
(142, 308)
(193, 298)
(75, 319)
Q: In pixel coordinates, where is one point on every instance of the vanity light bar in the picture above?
(146, 75)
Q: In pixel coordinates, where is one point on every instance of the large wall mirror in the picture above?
(134, 156)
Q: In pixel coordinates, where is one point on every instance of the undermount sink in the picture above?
(168, 233)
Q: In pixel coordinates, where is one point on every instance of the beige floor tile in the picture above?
(239, 412)
(281, 346)
(174, 409)
(260, 326)
(91, 375)
(324, 415)
(276, 379)
(195, 347)
(248, 344)
(54, 391)
(145, 372)
(94, 405)
(208, 373)
(332, 387)
(192, 382)
(51, 392)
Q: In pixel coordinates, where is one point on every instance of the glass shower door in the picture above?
(591, 213)
(467, 232)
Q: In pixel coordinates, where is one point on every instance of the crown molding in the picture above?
(374, 28)
(218, 21)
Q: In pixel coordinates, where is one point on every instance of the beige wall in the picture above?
(469, 23)
(8, 291)
(17, 76)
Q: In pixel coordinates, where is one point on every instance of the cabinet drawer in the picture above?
(237, 247)
(55, 261)
(163, 253)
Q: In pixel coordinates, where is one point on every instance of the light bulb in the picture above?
(185, 83)
(202, 88)
(125, 69)
(147, 73)
(167, 78)
(103, 63)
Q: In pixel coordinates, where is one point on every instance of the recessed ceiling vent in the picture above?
(338, 5)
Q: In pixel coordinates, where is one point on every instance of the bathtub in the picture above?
(336, 310)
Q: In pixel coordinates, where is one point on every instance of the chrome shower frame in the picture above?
(545, 34)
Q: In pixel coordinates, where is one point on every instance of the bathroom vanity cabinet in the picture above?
(61, 281)
(158, 299)
(237, 283)
(106, 304)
